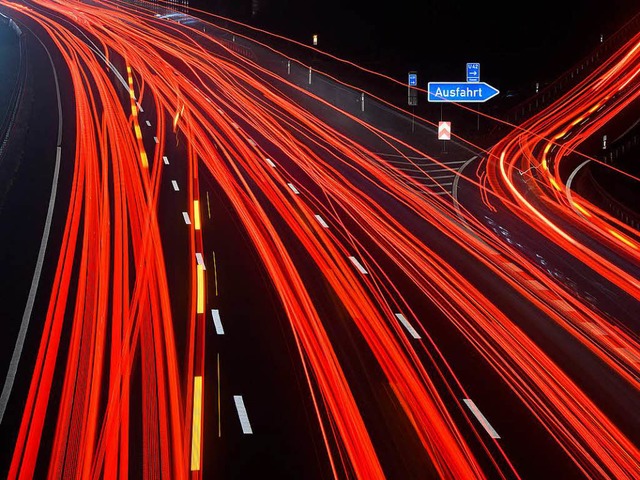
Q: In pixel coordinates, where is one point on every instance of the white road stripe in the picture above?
(175, 185)
(216, 322)
(148, 123)
(483, 421)
(242, 414)
(293, 188)
(200, 260)
(251, 142)
(155, 139)
(187, 220)
(358, 265)
(166, 160)
(268, 160)
(140, 107)
(408, 326)
(321, 221)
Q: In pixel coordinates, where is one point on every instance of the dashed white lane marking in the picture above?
(483, 421)
(293, 188)
(187, 220)
(175, 185)
(358, 265)
(200, 260)
(412, 331)
(242, 414)
(270, 162)
(321, 221)
(165, 160)
(217, 323)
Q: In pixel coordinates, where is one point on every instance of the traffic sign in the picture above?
(413, 93)
(473, 72)
(444, 130)
(460, 92)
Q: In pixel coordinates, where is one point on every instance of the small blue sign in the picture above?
(473, 72)
(413, 79)
(460, 92)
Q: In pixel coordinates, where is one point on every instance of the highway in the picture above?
(245, 268)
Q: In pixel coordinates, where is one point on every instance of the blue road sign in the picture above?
(460, 92)
(413, 79)
(473, 72)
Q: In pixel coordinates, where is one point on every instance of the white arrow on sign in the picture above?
(444, 131)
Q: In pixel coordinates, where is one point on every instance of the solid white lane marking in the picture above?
(166, 160)
(242, 414)
(358, 265)
(268, 160)
(215, 314)
(200, 260)
(35, 280)
(408, 326)
(175, 185)
(148, 123)
(321, 221)
(483, 421)
(187, 220)
(155, 139)
(293, 188)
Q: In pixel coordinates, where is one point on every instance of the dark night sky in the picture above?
(516, 43)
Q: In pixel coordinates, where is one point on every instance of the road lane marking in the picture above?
(215, 272)
(175, 185)
(165, 159)
(358, 265)
(251, 142)
(196, 423)
(148, 123)
(185, 215)
(321, 221)
(268, 160)
(155, 139)
(219, 414)
(35, 280)
(215, 314)
(408, 326)
(200, 260)
(483, 421)
(242, 414)
(293, 188)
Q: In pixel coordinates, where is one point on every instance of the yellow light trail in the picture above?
(196, 424)
(196, 214)
(200, 297)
